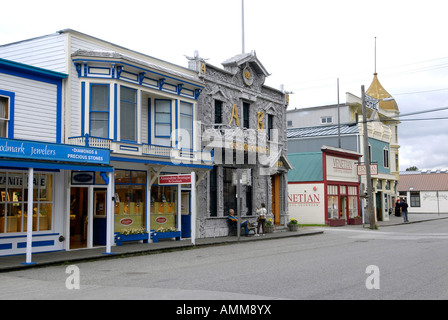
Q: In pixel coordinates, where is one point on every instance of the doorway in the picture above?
(87, 204)
(344, 212)
(275, 183)
(78, 217)
(379, 206)
(99, 217)
(185, 214)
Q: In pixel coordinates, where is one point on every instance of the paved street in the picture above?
(410, 260)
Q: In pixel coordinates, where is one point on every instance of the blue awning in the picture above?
(54, 166)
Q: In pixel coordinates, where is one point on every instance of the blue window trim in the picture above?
(115, 112)
(132, 183)
(42, 75)
(108, 107)
(136, 114)
(155, 118)
(78, 61)
(192, 124)
(165, 163)
(11, 96)
(149, 122)
(83, 108)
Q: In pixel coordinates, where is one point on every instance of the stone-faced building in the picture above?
(244, 124)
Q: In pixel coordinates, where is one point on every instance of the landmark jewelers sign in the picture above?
(54, 152)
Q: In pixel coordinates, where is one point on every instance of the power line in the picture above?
(384, 75)
(350, 124)
(416, 92)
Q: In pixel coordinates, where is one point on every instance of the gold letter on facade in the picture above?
(235, 116)
(260, 124)
(203, 69)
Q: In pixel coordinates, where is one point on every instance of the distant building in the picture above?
(311, 128)
(425, 192)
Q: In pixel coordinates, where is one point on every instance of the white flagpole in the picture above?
(242, 24)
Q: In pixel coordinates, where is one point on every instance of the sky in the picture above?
(305, 46)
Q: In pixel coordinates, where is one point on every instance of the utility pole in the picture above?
(339, 121)
(367, 162)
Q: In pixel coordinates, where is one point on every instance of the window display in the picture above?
(164, 208)
(353, 202)
(333, 204)
(14, 204)
(130, 200)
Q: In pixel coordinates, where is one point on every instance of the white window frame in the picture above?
(386, 158)
(326, 120)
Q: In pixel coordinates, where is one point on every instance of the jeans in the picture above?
(261, 223)
(405, 216)
(246, 228)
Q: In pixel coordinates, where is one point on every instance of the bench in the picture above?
(233, 231)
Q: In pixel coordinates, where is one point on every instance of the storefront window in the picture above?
(14, 204)
(229, 191)
(164, 208)
(353, 202)
(130, 200)
(333, 206)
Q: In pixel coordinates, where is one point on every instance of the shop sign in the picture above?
(303, 200)
(126, 221)
(175, 179)
(161, 220)
(52, 152)
(362, 170)
(341, 169)
(83, 177)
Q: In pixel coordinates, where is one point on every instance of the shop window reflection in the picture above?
(14, 204)
(164, 207)
(130, 200)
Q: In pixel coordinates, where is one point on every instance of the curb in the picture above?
(137, 250)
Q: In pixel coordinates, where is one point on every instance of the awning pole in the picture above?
(29, 230)
(109, 206)
(193, 208)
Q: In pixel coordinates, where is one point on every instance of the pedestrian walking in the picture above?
(261, 218)
(404, 210)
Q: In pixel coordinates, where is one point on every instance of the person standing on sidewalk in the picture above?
(261, 218)
(397, 208)
(404, 210)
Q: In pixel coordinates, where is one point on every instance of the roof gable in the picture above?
(246, 58)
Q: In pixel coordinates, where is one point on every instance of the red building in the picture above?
(324, 187)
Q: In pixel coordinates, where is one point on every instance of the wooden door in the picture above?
(275, 182)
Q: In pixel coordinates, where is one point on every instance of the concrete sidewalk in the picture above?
(412, 217)
(12, 263)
